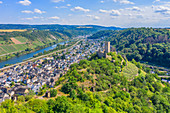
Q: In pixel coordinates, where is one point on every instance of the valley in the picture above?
(89, 73)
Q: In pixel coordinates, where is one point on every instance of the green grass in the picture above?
(20, 47)
(21, 39)
(130, 70)
(2, 51)
(38, 43)
(12, 48)
(1, 42)
(9, 48)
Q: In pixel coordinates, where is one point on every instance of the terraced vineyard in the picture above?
(11, 42)
(130, 71)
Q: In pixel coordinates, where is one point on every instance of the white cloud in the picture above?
(56, 1)
(39, 11)
(1, 2)
(27, 18)
(27, 11)
(61, 7)
(101, 1)
(104, 11)
(25, 2)
(156, 1)
(35, 17)
(35, 11)
(134, 8)
(115, 13)
(78, 8)
(68, 5)
(54, 17)
(93, 17)
(111, 12)
(123, 1)
(162, 10)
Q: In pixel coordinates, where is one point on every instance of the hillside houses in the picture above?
(33, 75)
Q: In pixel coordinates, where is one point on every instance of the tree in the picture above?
(53, 93)
(66, 88)
(9, 106)
(62, 105)
(72, 94)
(37, 105)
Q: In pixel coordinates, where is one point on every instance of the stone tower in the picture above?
(107, 47)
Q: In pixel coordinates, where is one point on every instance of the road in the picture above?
(4, 68)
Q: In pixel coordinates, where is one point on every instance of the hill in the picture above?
(89, 28)
(142, 44)
(98, 85)
(31, 39)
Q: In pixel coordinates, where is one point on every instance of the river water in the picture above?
(15, 60)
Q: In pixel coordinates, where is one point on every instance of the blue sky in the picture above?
(121, 13)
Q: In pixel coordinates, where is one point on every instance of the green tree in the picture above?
(53, 93)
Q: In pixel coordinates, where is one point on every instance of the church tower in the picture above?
(107, 47)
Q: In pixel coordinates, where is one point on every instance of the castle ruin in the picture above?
(103, 54)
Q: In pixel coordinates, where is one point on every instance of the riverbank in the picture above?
(8, 56)
(5, 68)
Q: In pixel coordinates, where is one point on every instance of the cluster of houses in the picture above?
(20, 79)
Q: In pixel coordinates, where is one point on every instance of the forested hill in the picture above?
(90, 28)
(99, 86)
(142, 44)
(27, 40)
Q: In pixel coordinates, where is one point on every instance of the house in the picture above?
(27, 81)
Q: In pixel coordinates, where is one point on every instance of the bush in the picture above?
(21, 98)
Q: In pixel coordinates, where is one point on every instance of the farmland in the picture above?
(21, 39)
(15, 41)
(12, 30)
(11, 42)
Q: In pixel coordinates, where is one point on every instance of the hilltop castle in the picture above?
(101, 54)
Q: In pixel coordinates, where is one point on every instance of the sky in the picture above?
(119, 13)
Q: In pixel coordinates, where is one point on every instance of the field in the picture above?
(2, 42)
(21, 39)
(130, 71)
(12, 30)
(14, 48)
(15, 41)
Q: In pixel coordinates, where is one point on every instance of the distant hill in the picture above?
(27, 40)
(142, 44)
(57, 27)
(33, 36)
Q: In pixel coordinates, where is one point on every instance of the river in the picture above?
(15, 60)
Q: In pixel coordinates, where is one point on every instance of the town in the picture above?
(20, 79)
